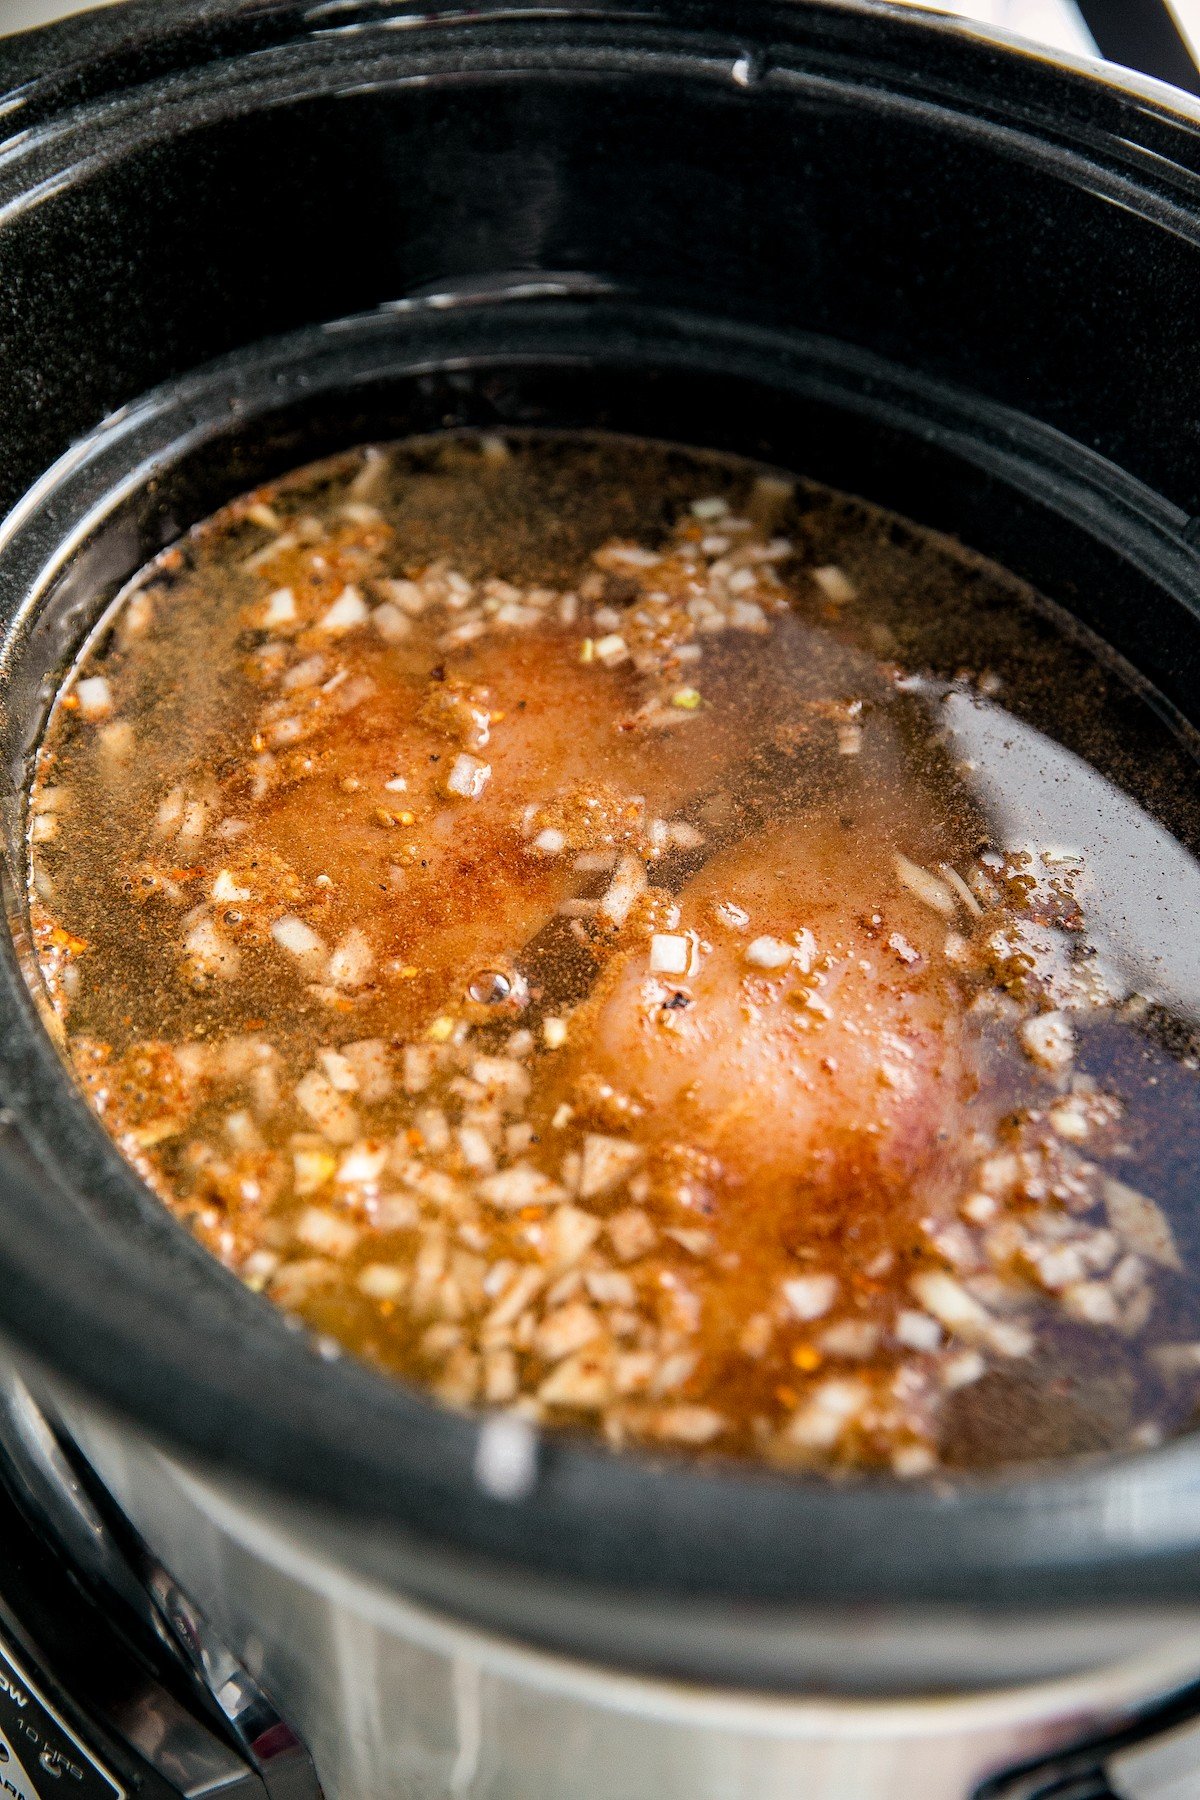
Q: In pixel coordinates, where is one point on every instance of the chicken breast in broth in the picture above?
(815, 1030)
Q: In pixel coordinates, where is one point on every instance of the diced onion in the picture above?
(917, 1331)
(297, 938)
(951, 1304)
(225, 889)
(468, 777)
(116, 740)
(339, 1071)
(95, 697)
(391, 624)
(522, 1185)
(820, 1424)
(1142, 1224)
(329, 1111)
(628, 883)
(926, 887)
(769, 953)
(363, 1164)
(810, 1296)
(835, 584)
(326, 1232)
(311, 1170)
(382, 1281)
(611, 649)
(352, 960)
(210, 952)
(670, 954)
(279, 608)
(347, 611)
(1049, 1040)
(604, 1163)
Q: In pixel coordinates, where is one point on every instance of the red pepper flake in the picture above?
(62, 940)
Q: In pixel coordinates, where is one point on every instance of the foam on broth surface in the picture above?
(615, 933)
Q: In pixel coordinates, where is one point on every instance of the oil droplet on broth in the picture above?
(622, 934)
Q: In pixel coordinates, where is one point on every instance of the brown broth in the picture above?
(619, 934)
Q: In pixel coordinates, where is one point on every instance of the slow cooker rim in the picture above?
(141, 24)
(630, 1482)
(104, 52)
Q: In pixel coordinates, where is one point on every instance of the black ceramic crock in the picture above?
(957, 278)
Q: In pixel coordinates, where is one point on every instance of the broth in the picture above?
(624, 935)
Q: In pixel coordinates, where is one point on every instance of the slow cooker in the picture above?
(885, 249)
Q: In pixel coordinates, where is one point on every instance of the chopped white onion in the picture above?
(604, 1163)
(170, 812)
(522, 1185)
(279, 608)
(810, 1296)
(628, 883)
(363, 1164)
(917, 1331)
(370, 1062)
(225, 889)
(95, 698)
(304, 674)
(352, 960)
(391, 624)
(670, 954)
(768, 953)
(853, 1340)
(326, 1232)
(347, 611)
(409, 596)
(834, 1406)
(611, 649)
(116, 740)
(468, 777)
(926, 887)
(382, 1281)
(418, 1061)
(329, 1111)
(1049, 1041)
(951, 1304)
(297, 938)
(210, 952)
(1142, 1224)
(339, 1071)
(835, 584)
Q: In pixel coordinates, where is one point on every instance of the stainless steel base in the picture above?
(394, 1700)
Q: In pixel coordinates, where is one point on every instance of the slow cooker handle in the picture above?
(1143, 35)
